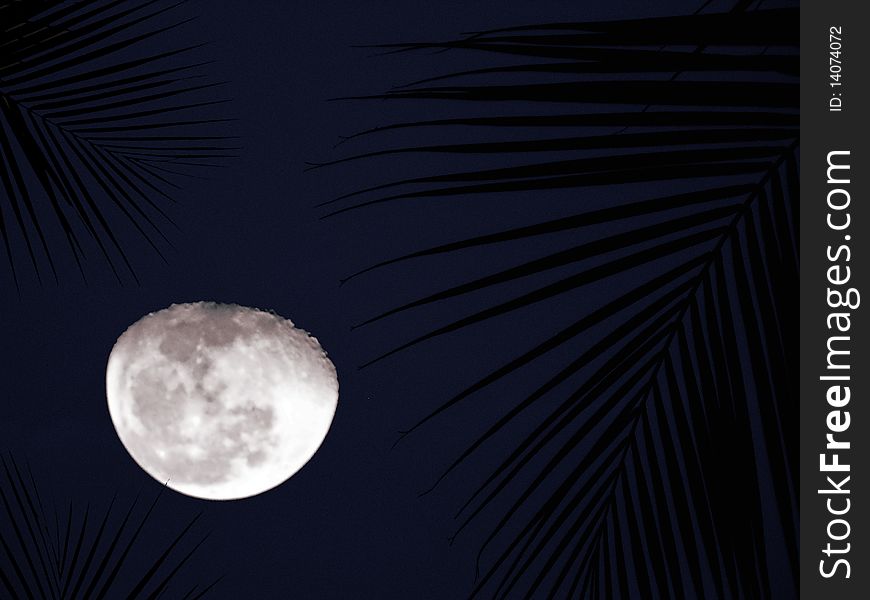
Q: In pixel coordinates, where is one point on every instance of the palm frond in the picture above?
(96, 126)
(660, 461)
(78, 556)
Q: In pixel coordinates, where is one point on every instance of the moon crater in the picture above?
(221, 401)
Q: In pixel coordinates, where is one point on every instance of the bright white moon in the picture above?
(221, 401)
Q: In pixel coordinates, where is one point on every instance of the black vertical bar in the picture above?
(835, 222)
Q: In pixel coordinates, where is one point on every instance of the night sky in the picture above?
(351, 523)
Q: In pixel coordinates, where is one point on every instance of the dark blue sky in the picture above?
(350, 524)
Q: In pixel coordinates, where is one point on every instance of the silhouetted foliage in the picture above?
(96, 126)
(665, 464)
(51, 553)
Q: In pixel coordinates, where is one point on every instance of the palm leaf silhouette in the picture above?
(96, 127)
(660, 461)
(81, 555)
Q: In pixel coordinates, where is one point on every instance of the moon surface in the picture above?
(220, 401)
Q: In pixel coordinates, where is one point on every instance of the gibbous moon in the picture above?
(220, 401)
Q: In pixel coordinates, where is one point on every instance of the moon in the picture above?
(220, 401)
